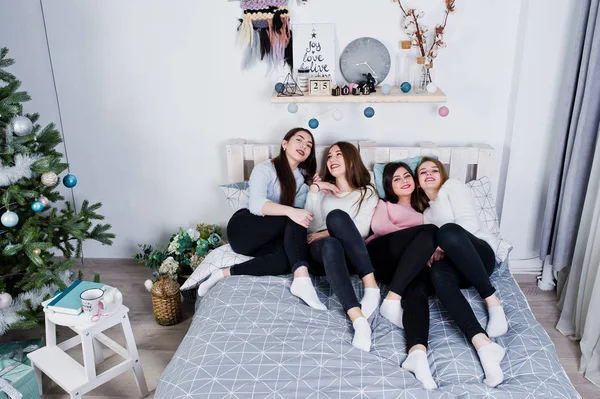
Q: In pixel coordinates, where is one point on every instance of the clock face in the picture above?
(365, 55)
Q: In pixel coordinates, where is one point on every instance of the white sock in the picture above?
(370, 301)
(497, 324)
(362, 334)
(490, 356)
(417, 363)
(210, 282)
(391, 309)
(303, 288)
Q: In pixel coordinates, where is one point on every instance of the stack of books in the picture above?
(69, 301)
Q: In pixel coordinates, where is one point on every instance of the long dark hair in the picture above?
(357, 175)
(284, 172)
(388, 179)
(422, 198)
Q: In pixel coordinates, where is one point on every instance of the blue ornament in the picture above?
(70, 181)
(279, 87)
(10, 250)
(369, 112)
(37, 206)
(386, 89)
(293, 108)
(9, 219)
(313, 123)
(405, 87)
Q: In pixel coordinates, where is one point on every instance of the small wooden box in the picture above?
(319, 86)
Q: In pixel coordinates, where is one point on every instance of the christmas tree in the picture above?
(41, 234)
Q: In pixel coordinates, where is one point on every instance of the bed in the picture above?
(251, 338)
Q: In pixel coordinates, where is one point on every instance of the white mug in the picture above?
(95, 300)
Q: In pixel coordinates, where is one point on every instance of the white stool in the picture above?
(68, 373)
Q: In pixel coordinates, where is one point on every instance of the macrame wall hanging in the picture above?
(265, 32)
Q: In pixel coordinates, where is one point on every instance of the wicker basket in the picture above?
(166, 301)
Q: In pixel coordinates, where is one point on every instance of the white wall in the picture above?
(546, 42)
(150, 92)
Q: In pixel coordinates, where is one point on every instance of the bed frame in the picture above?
(464, 163)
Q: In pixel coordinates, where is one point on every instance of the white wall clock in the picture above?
(365, 55)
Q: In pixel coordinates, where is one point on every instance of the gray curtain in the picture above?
(578, 124)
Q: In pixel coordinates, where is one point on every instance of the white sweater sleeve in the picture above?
(463, 206)
(363, 219)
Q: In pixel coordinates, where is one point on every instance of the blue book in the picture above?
(69, 301)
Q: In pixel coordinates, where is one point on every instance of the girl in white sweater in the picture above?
(465, 258)
(342, 206)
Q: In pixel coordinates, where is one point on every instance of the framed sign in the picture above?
(314, 49)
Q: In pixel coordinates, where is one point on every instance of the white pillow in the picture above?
(237, 194)
(486, 207)
(218, 258)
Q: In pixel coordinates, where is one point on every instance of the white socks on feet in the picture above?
(370, 301)
(392, 310)
(490, 356)
(362, 334)
(417, 363)
(497, 324)
(210, 282)
(303, 288)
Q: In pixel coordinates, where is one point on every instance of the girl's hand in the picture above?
(317, 236)
(437, 255)
(328, 187)
(316, 177)
(300, 216)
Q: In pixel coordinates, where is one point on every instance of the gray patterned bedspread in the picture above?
(251, 338)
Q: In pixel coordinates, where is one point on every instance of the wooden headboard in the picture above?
(464, 163)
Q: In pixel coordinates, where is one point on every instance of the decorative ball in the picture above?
(49, 179)
(313, 123)
(9, 219)
(431, 88)
(369, 112)
(405, 87)
(279, 87)
(37, 251)
(43, 200)
(37, 206)
(70, 181)
(338, 115)
(386, 89)
(21, 125)
(9, 249)
(292, 108)
(443, 111)
(5, 300)
(148, 284)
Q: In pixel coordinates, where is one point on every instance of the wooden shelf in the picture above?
(396, 96)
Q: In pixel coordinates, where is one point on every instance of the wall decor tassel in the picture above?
(265, 21)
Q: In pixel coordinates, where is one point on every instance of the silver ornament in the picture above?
(21, 125)
(49, 179)
(43, 200)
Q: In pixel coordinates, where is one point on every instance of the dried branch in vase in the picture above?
(417, 31)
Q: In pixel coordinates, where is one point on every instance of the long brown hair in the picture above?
(287, 181)
(388, 179)
(422, 198)
(357, 175)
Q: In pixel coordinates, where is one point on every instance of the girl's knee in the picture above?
(337, 219)
(450, 235)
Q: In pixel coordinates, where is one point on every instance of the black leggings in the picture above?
(399, 260)
(469, 262)
(277, 243)
(328, 257)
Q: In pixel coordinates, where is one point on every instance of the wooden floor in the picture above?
(157, 344)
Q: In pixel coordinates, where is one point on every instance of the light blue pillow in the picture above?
(378, 170)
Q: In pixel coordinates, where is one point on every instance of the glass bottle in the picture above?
(403, 62)
(421, 77)
(302, 76)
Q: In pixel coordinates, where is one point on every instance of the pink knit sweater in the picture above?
(390, 217)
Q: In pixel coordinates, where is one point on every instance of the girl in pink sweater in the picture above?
(400, 249)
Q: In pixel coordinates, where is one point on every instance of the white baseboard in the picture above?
(525, 266)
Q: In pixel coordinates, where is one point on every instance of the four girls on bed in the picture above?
(427, 238)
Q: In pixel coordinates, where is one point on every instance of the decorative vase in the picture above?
(166, 301)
